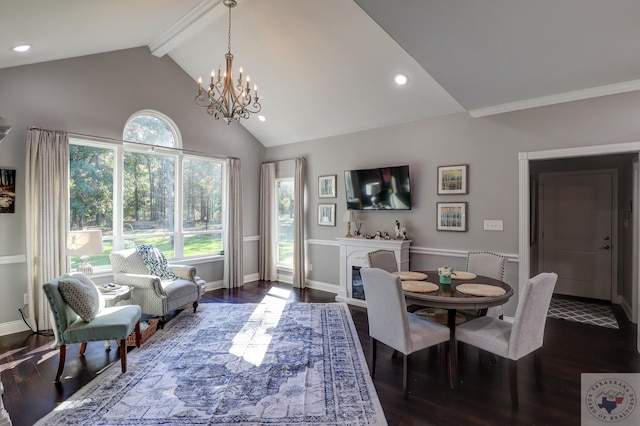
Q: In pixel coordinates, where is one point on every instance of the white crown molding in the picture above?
(594, 92)
(187, 26)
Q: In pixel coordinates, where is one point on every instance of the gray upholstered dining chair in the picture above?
(490, 265)
(383, 259)
(391, 324)
(524, 336)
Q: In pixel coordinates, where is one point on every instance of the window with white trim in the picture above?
(136, 194)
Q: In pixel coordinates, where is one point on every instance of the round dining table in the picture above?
(447, 297)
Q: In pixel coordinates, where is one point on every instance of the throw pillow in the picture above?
(81, 295)
(156, 261)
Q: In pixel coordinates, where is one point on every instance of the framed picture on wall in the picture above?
(7, 191)
(453, 179)
(327, 214)
(327, 186)
(451, 216)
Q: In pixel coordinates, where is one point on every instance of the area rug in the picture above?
(584, 312)
(237, 364)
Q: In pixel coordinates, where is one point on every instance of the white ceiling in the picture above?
(325, 67)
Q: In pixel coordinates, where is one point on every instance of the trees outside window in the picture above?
(284, 192)
(161, 197)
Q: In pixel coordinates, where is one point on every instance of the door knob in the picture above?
(606, 247)
(606, 238)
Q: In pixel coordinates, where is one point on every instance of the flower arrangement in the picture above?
(445, 274)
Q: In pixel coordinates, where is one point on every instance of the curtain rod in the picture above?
(120, 141)
(283, 159)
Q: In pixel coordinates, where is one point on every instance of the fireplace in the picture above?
(354, 255)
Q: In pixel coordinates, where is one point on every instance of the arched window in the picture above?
(152, 128)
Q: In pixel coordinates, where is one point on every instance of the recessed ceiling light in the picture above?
(262, 118)
(400, 79)
(21, 48)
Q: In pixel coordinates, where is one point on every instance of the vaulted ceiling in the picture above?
(325, 67)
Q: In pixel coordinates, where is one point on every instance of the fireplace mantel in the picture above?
(354, 251)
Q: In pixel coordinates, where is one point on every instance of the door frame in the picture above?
(524, 223)
(615, 298)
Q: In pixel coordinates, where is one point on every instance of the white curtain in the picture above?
(47, 197)
(233, 234)
(299, 269)
(267, 258)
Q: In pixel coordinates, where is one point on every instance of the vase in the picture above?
(445, 279)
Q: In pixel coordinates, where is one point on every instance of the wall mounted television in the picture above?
(383, 188)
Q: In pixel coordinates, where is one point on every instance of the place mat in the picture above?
(462, 275)
(411, 276)
(477, 289)
(419, 286)
(439, 315)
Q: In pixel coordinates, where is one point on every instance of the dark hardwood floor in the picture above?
(28, 367)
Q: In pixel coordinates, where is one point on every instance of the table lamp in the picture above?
(84, 243)
(349, 216)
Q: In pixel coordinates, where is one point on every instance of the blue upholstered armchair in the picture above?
(79, 316)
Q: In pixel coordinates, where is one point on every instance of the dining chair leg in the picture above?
(138, 335)
(405, 377)
(443, 362)
(374, 349)
(537, 365)
(513, 383)
(83, 348)
(63, 356)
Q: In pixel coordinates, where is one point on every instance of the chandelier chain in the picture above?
(229, 34)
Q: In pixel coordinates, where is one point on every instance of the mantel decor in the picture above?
(451, 216)
(7, 191)
(453, 179)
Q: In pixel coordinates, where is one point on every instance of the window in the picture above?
(137, 195)
(284, 192)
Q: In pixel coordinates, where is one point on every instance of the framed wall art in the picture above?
(451, 216)
(7, 191)
(327, 186)
(327, 214)
(453, 179)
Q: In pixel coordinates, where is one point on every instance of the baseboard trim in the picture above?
(13, 327)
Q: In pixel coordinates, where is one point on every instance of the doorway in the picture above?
(531, 164)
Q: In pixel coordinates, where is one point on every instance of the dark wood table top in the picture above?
(448, 298)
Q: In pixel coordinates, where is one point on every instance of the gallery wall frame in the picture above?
(327, 214)
(451, 216)
(453, 179)
(7, 191)
(327, 186)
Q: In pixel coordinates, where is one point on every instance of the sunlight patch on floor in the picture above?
(252, 342)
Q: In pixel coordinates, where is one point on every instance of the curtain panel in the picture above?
(47, 196)
(233, 276)
(267, 261)
(299, 261)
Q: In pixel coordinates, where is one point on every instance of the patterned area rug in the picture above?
(585, 312)
(237, 364)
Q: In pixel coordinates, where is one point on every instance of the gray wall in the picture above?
(490, 146)
(95, 95)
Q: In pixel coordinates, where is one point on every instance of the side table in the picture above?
(112, 298)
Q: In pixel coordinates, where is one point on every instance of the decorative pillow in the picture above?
(81, 295)
(156, 261)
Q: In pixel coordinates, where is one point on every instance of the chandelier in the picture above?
(225, 98)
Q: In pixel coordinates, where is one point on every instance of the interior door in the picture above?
(576, 228)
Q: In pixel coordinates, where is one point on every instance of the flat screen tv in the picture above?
(383, 188)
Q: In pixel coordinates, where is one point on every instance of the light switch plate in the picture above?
(493, 225)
